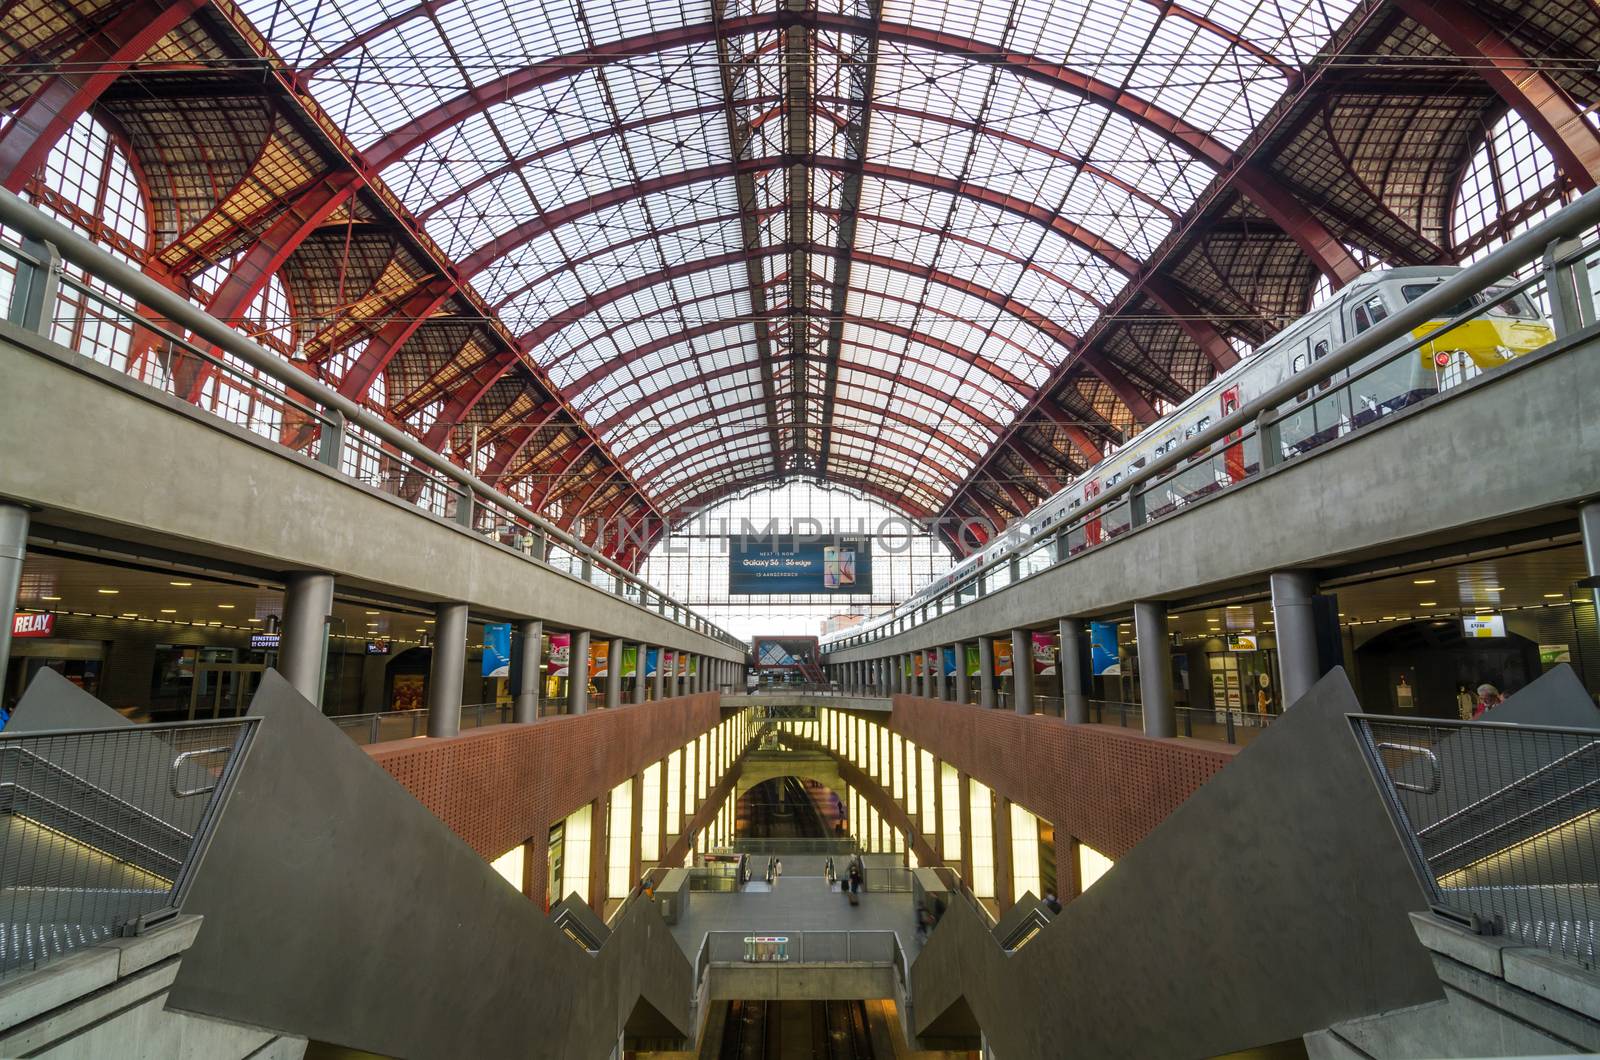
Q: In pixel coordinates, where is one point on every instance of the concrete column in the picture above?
(1589, 524)
(303, 649)
(13, 549)
(1022, 671)
(1155, 667)
(986, 673)
(448, 670)
(1070, 668)
(530, 670)
(1295, 624)
(578, 673)
(941, 683)
(638, 673)
(614, 673)
(961, 693)
(656, 679)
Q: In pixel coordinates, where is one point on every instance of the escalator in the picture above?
(795, 1030)
(783, 809)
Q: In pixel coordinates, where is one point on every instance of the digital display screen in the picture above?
(790, 564)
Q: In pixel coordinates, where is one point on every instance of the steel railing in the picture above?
(1500, 823)
(1308, 410)
(100, 829)
(799, 947)
(119, 317)
(388, 725)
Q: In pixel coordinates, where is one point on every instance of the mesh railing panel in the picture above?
(99, 829)
(1499, 821)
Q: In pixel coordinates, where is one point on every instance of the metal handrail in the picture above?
(1539, 241)
(16, 751)
(94, 260)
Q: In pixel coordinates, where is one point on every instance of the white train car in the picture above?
(1508, 327)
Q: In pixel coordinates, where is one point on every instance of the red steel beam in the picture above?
(48, 112)
(1558, 120)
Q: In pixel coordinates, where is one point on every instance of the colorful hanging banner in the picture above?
(497, 649)
(1002, 658)
(1104, 655)
(598, 658)
(630, 661)
(1044, 653)
(650, 661)
(560, 651)
(948, 656)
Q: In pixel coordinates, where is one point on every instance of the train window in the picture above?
(1500, 304)
(1114, 479)
(1369, 313)
(1318, 353)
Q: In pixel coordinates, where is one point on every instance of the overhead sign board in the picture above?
(793, 564)
(33, 624)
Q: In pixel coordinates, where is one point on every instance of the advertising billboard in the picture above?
(1104, 655)
(784, 564)
(497, 649)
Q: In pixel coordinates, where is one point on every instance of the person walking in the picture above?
(1488, 699)
(777, 873)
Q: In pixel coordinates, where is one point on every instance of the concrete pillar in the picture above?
(614, 673)
(448, 670)
(638, 673)
(1155, 667)
(656, 678)
(303, 648)
(578, 673)
(1589, 524)
(986, 673)
(1295, 626)
(961, 692)
(13, 549)
(1022, 671)
(1070, 668)
(529, 647)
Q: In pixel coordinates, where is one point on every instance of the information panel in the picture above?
(784, 564)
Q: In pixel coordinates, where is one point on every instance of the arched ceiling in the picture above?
(780, 237)
(648, 253)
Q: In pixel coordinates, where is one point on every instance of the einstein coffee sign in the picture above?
(33, 625)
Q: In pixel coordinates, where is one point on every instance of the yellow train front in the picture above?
(1506, 327)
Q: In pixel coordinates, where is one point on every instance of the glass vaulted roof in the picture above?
(762, 236)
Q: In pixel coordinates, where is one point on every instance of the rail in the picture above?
(101, 829)
(1307, 410)
(1501, 823)
(799, 947)
(783, 847)
(388, 725)
(122, 318)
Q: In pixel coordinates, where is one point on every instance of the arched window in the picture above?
(691, 563)
(1510, 184)
(241, 393)
(89, 184)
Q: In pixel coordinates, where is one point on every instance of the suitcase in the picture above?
(853, 899)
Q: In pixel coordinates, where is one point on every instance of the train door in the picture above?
(1233, 460)
(1091, 534)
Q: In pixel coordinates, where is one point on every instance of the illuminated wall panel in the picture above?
(619, 833)
(982, 839)
(950, 781)
(510, 865)
(577, 834)
(1091, 865)
(1024, 854)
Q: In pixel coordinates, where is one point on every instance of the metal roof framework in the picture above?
(942, 251)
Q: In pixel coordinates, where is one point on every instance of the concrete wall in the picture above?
(1520, 445)
(508, 784)
(110, 1000)
(251, 503)
(1499, 1000)
(801, 982)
